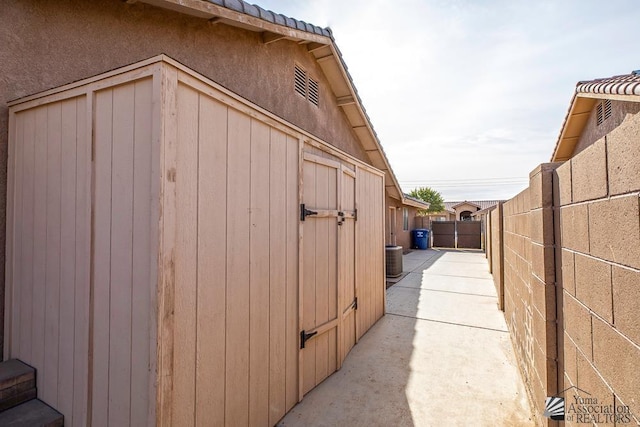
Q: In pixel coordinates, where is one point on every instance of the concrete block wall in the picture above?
(517, 279)
(599, 261)
(529, 283)
(543, 286)
(494, 251)
(570, 252)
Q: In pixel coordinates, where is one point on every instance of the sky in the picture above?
(468, 96)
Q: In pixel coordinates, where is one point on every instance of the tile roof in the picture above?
(483, 204)
(627, 84)
(269, 16)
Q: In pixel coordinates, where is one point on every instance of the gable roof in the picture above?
(320, 43)
(465, 203)
(622, 88)
(481, 204)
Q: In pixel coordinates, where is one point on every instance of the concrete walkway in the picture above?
(441, 356)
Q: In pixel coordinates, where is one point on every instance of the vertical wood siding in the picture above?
(153, 222)
(123, 274)
(236, 279)
(347, 260)
(369, 249)
(49, 245)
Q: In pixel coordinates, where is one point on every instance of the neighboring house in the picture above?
(223, 100)
(401, 219)
(466, 210)
(597, 108)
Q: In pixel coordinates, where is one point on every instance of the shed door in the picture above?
(346, 263)
(328, 300)
(319, 298)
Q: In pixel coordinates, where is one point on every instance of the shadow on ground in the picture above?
(440, 356)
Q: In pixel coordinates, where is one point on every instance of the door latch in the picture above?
(306, 336)
(304, 212)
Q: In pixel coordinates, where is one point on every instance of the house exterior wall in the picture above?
(76, 39)
(464, 207)
(620, 111)
(48, 44)
(441, 216)
(571, 245)
(163, 306)
(402, 237)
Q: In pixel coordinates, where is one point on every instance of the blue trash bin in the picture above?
(420, 238)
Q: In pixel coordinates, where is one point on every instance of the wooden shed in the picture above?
(179, 256)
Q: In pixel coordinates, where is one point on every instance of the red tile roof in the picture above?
(627, 84)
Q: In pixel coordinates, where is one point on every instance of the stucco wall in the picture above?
(465, 207)
(47, 44)
(403, 237)
(592, 132)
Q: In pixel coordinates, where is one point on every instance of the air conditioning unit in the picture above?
(394, 260)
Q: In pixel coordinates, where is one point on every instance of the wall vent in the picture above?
(300, 81)
(313, 92)
(599, 115)
(306, 86)
(607, 109)
(603, 111)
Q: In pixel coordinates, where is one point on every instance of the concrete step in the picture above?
(32, 413)
(17, 383)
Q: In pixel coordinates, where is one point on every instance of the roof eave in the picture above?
(415, 203)
(576, 119)
(326, 52)
(220, 14)
(360, 122)
(466, 203)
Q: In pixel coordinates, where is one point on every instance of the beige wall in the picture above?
(494, 252)
(402, 237)
(48, 44)
(76, 39)
(598, 194)
(464, 207)
(448, 216)
(571, 253)
(49, 252)
(169, 287)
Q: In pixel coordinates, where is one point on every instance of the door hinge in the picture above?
(304, 212)
(355, 215)
(304, 337)
(355, 303)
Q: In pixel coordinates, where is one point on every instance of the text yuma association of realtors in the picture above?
(588, 410)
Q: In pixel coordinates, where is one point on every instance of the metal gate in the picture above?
(457, 234)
